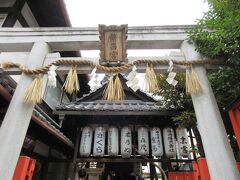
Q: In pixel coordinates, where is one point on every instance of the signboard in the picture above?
(113, 44)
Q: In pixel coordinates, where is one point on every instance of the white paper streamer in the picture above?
(93, 73)
(172, 75)
(170, 79)
(52, 81)
(132, 79)
(170, 68)
(174, 82)
(134, 87)
(132, 82)
(96, 84)
(131, 75)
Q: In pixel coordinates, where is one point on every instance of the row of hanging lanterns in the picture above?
(171, 146)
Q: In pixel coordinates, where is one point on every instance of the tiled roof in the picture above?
(139, 94)
(38, 116)
(102, 105)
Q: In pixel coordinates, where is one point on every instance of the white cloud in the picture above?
(90, 13)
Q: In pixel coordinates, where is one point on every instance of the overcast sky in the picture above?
(90, 13)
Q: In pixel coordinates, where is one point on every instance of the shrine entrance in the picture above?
(116, 122)
(118, 171)
(123, 137)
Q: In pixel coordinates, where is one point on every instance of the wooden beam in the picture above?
(118, 159)
(6, 95)
(3, 110)
(22, 20)
(5, 10)
(13, 14)
(116, 113)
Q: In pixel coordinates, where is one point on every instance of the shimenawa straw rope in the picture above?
(33, 93)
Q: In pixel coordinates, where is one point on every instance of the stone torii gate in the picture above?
(39, 42)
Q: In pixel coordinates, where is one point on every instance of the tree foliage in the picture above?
(173, 97)
(217, 36)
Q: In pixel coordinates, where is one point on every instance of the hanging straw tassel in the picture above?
(151, 83)
(119, 92)
(109, 92)
(33, 94)
(195, 82)
(71, 83)
(188, 81)
(193, 85)
(114, 90)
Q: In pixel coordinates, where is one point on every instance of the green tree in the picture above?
(217, 36)
(176, 98)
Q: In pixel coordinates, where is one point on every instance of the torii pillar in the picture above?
(18, 116)
(220, 158)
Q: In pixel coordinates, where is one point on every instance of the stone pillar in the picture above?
(18, 116)
(220, 158)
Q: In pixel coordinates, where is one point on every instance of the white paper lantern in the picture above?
(183, 143)
(156, 141)
(99, 142)
(113, 146)
(126, 142)
(169, 142)
(86, 141)
(143, 141)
